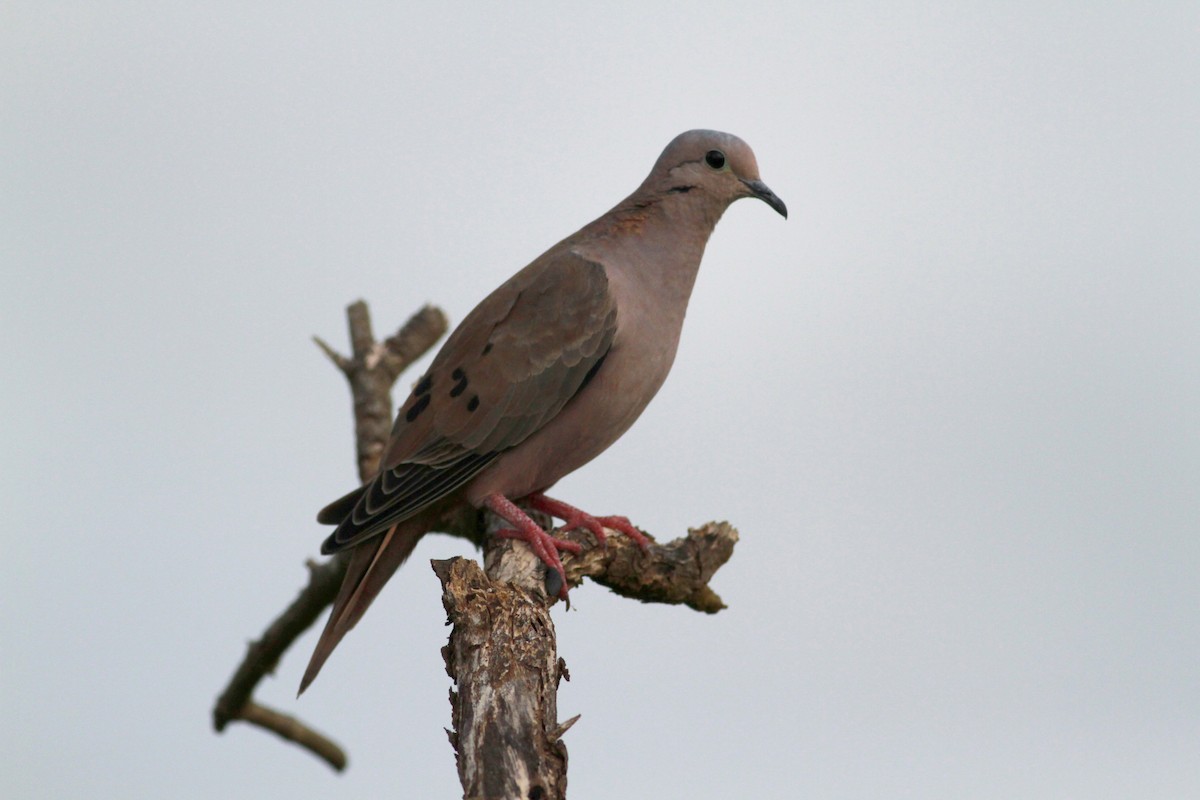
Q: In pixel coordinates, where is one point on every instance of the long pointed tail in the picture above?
(372, 563)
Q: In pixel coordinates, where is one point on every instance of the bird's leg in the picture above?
(575, 518)
(544, 545)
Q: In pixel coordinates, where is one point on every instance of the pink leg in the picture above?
(544, 545)
(574, 518)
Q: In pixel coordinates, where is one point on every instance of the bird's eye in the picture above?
(715, 159)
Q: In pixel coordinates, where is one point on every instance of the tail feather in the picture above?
(339, 509)
(372, 563)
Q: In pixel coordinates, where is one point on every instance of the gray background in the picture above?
(951, 403)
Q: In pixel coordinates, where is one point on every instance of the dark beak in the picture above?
(760, 190)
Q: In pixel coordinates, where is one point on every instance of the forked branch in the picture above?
(502, 653)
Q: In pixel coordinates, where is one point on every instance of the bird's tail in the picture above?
(372, 563)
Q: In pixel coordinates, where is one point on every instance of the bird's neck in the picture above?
(657, 238)
(683, 212)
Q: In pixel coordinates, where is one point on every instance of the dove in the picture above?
(542, 376)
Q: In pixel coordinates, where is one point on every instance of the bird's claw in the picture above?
(574, 518)
(626, 527)
(547, 547)
(543, 545)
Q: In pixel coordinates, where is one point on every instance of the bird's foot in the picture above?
(544, 545)
(575, 518)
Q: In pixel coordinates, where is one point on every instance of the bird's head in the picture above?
(717, 165)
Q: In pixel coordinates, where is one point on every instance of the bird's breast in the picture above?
(597, 416)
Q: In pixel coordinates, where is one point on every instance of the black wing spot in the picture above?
(424, 386)
(461, 386)
(487, 348)
(680, 189)
(417, 408)
(473, 403)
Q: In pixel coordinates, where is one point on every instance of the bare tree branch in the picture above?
(504, 661)
(371, 375)
(676, 573)
(502, 652)
(264, 654)
(292, 730)
(371, 380)
(339, 360)
(503, 655)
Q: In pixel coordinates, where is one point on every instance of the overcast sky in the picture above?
(952, 403)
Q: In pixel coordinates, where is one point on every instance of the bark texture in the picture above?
(504, 660)
(502, 653)
(371, 371)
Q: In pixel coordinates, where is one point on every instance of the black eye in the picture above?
(715, 159)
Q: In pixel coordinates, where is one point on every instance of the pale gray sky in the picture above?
(952, 404)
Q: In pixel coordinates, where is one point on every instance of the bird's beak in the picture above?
(762, 192)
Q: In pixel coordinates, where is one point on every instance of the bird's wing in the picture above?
(515, 361)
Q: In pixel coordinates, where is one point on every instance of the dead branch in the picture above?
(371, 370)
(502, 652)
(676, 573)
(504, 661)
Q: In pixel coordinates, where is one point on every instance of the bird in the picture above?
(542, 376)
